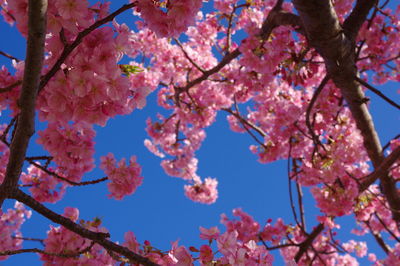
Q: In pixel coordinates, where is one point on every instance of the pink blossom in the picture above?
(206, 254)
(72, 147)
(225, 6)
(43, 186)
(209, 234)
(205, 192)
(335, 200)
(180, 15)
(124, 178)
(10, 223)
(360, 248)
(70, 9)
(62, 241)
(227, 243)
(180, 255)
(151, 147)
(131, 242)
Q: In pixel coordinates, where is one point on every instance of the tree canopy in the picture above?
(292, 75)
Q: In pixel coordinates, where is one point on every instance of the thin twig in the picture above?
(244, 121)
(98, 237)
(188, 57)
(294, 212)
(5, 132)
(69, 48)
(309, 109)
(308, 242)
(31, 158)
(30, 239)
(84, 183)
(9, 56)
(8, 13)
(277, 246)
(377, 92)
(36, 250)
(11, 86)
(389, 142)
(381, 170)
(230, 23)
(386, 227)
(378, 239)
(335, 243)
(300, 197)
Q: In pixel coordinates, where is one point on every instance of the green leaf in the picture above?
(327, 163)
(129, 69)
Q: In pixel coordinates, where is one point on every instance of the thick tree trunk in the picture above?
(337, 47)
(25, 126)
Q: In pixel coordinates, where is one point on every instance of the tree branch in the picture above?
(299, 197)
(98, 237)
(26, 121)
(10, 87)
(358, 15)
(41, 241)
(9, 56)
(303, 247)
(387, 145)
(382, 169)
(327, 36)
(188, 57)
(277, 246)
(36, 250)
(275, 18)
(70, 47)
(72, 183)
(386, 227)
(294, 212)
(377, 92)
(310, 107)
(245, 122)
(379, 239)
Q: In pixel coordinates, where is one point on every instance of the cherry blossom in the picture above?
(124, 178)
(10, 223)
(258, 63)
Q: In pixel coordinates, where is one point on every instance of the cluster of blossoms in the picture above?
(180, 14)
(4, 154)
(278, 77)
(71, 146)
(10, 223)
(243, 243)
(43, 186)
(124, 178)
(380, 54)
(274, 78)
(77, 250)
(237, 246)
(7, 79)
(89, 89)
(204, 192)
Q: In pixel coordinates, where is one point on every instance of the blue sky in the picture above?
(159, 211)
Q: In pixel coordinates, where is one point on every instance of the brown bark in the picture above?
(98, 237)
(336, 44)
(25, 127)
